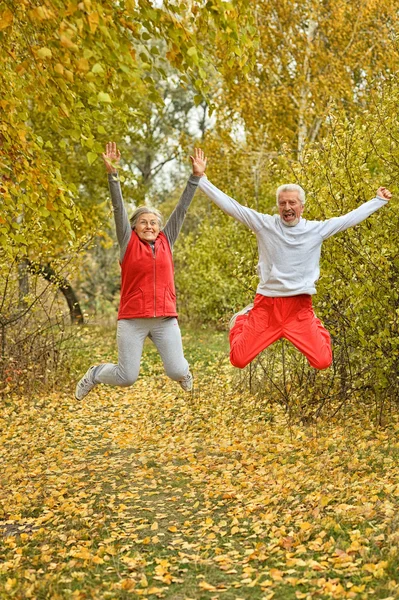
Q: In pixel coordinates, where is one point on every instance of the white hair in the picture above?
(291, 187)
(144, 210)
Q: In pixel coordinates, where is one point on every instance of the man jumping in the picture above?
(289, 255)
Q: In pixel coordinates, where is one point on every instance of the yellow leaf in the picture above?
(154, 526)
(93, 19)
(44, 53)
(46, 557)
(128, 584)
(10, 583)
(59, 69)
(65, 111)
(6, 19)
(68, 75)
(83, 65)
(234, 530)
(41, 13)
(172, 528)
(266, 583)
(324, 500)
(207, 586)
(276, 574)
(68, 43)
(83, 553)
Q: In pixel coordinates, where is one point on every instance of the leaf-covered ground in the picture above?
(151, 493)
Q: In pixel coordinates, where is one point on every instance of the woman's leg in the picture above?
(166, 335)
(131, 334)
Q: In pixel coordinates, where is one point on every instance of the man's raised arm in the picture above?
(249, 217)
(336, 224)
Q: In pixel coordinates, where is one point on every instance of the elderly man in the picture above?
(288, 268)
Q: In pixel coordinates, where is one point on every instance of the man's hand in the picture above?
(111, 157)
(384, 193)
(199, 162)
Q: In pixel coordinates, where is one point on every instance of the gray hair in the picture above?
(145, 210)
(291, 187)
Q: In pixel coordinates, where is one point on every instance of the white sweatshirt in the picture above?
(288, 256)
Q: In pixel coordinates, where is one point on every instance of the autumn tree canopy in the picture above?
(69, 70)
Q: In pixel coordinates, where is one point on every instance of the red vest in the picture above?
(148, 288)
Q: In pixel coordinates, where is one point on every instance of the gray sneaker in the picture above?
(244, 311)
(85, 384)
(187, 382)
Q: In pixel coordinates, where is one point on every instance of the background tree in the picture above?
(311, 56)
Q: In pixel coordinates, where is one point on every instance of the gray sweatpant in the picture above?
(131, 334)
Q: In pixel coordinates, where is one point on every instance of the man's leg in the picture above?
(255, 331)
(307, 333)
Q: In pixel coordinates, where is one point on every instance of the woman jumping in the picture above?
(148, 302)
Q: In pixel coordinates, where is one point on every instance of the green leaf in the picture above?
(97, 68)
(91, 157)
(192, 53)
(104, 97)
(44, 53)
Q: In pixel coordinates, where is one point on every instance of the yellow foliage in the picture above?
(6, 19)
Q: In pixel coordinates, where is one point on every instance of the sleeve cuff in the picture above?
(194, 179)
(382, 199)
(202, 180)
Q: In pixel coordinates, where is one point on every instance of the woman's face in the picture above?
(147, 227)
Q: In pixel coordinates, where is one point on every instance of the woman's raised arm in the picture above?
(111, 158)
(175, 221)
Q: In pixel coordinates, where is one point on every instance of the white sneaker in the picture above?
(187, 382)
(85, 384)
(244, 311)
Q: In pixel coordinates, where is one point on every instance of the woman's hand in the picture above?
(111, 157)
(199, 162)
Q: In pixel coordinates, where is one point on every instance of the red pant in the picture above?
(270, 319)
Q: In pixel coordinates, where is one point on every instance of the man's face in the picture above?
(290, 208)
(147, 227)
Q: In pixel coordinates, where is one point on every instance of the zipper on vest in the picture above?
(155, 272)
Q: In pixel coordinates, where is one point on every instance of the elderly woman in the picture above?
(148, 301)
